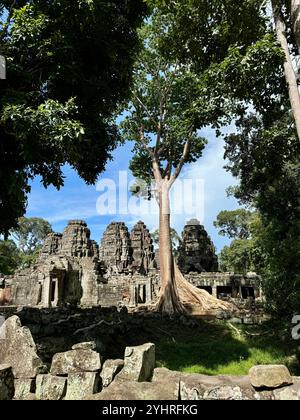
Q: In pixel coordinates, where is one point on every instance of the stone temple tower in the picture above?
(115, 249)
(196, 252)
(142, 249)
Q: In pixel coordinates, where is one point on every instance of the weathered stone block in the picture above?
(81, 385)
(7, 388)
(235, 320)
(23, 387)
(75, 361)
(139, 363)
(19, 350)
(137, 391)
(270, 376)
(291, 392)
(90, 345)
(50, 387)
(161, 374)
(203, 387)
(76, 241)
(29, 397)
(109, 370)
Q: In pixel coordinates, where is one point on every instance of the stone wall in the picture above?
(82, 372)
(230, 284)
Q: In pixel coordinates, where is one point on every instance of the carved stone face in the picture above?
(196, 252)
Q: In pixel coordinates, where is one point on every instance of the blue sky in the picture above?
(76, 200)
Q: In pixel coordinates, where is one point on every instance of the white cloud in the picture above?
(76, 200)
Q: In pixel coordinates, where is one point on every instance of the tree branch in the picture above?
(145, 109)
(9, 16)
(167, 170)
(144, 143)
(183, 158)
(150, 151)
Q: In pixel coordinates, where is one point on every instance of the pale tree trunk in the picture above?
(169, 301)
(176, 293)
(289, 72)
(295, 15)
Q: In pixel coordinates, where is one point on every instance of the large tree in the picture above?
(286, 16)
(251, 47)
(234, 223)
(241, 225)
(31, 233)
(266, 160)
(69, 66)
(248, 83)
(159, 121)
(175, 240)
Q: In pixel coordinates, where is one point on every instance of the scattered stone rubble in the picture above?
(18, 350)
(270, 376)
(80, 373)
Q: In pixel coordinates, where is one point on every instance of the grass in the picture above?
(219, 348)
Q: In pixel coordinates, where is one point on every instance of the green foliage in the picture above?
(69, 67)
(30, 234)
(232, 48)
(280, 247)
(158, 115)
(9, 257)
(238, 257)
(234, 224)
(244, 252)
(25, 244)
(266, 159)
(27, 260)
(262, 157)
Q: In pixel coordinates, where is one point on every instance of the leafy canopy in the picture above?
(9, 257)
(158, 117)
(234, 224)
(232, 48)
(31, 233)
(244, 252)
(24, 245)
(69, 66)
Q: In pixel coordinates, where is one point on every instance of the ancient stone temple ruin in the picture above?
(143, 257)
(73, 270)
(115, 251)
(196, 252)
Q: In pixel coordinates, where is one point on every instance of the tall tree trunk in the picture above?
(295, 15)
(176, 291)
(289, 72)
(169, 301)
